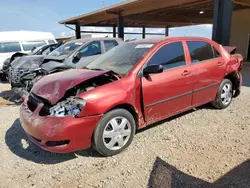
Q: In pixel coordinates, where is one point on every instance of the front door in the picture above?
(88, 54)
(169, 92)
(208, 68)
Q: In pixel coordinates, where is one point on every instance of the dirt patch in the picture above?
(200, 148)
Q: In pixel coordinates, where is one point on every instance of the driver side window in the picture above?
(93, 48)
(169, 56)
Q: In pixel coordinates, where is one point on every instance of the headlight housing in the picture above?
(70, 107)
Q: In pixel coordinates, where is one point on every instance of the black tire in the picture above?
(97, 141)
(218, 102)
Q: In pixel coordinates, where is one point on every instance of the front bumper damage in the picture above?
(52, 114)
(58, 134)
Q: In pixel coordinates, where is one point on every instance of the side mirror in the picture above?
(77, 56)
(153, 69)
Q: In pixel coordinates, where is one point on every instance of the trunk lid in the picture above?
(230, 49)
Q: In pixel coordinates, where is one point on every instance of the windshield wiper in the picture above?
(97, 69)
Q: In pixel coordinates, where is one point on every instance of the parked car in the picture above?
(21, 41)
(27, 70)
(126, 89)
(42, 50)
(45, 49)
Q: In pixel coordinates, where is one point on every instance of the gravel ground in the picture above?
(201, 148)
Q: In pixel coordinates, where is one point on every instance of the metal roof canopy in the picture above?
(163, 14)
(153, 13)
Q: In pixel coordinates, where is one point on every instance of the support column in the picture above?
(166, 31)
(143, 32)
(223, 10)
(120, 26)
(78, 31)
(114, 31)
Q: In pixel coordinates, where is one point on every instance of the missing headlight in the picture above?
(70, 107)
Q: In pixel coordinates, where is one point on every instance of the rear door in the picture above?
(207, 66)
(168, 92)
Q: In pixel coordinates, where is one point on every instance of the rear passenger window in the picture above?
(170, 56)
(200, 51)
(6, 47)
(31, 45)
(109, 44)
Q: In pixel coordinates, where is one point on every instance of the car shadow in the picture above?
(3, 81)
(19, 144)
(11, 97)
(164, 175)
(246, 77)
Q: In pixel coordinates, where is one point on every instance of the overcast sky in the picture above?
(43, 15)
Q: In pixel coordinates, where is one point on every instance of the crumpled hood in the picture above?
(54, 86)
(33, 62)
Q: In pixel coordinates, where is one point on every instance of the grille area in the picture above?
(34, 101)
(57, 143)
(16, 75)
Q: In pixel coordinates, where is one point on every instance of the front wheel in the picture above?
(114, 132)
(224, 95)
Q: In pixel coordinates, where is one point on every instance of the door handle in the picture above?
(220, 64)
(186, 73)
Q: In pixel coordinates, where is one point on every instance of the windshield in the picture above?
(37, 49)
(66, 49)
(120, 59)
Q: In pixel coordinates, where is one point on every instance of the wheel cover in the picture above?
(116, 133)
(227, 94)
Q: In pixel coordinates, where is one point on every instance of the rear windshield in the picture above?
(31, 45)
(6, 47)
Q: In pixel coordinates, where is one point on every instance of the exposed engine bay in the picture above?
(70, 104)
(70, 107)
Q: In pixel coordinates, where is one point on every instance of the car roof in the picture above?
(162, 39)
(92, 39)
(8, 36)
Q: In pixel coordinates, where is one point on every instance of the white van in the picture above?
(22, 41)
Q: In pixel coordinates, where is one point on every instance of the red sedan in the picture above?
(126, 89)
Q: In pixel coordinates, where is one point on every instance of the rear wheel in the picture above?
(114, 132)
(224, 95)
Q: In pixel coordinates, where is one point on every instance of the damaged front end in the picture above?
(61, 99)
(26, 71)
(70, 107)
(22, 80)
